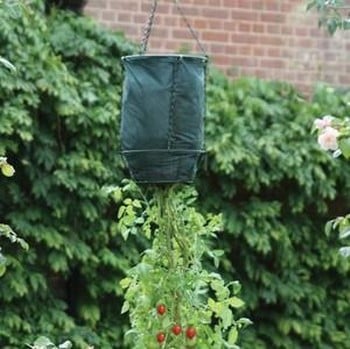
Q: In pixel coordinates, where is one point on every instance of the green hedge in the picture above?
(59, 127)
(277, 189)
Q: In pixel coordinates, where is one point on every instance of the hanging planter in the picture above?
(163, 108)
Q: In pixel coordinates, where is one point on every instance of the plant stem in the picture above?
(168, 225)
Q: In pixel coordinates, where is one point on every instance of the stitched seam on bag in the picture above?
(204, 116)
(172, 103)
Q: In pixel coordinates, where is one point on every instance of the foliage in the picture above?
(333, 14)
(171, 273)
(8, 233)
(276, 189)
(45, 343)
(341, 224)
(59, 120)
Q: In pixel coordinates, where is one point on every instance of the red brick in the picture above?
(231, 49)
(244, 4)
(259, 51)
(271, 40)
(215, 36)
(245, 50)
(124, 17)
(272, 5)
(98, 4)
(200, 24)
(215, 13)
(215, 24)
(272, 17)
(259, 28)
(302, 31)
(140, 18)
(244, 27)
(122, 5)
(170, 21)
(244, 15)
(274, 52)
(181, 33)
(222, 60)
(244, 38)
(272, 63)
(231, 26)
(244, 61)
(188, 10)
(273, 28)
(286, 30)
(217, 48)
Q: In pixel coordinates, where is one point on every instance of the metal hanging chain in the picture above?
(192, 31)
(148, 27)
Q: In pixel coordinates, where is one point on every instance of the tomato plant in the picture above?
(170, 288)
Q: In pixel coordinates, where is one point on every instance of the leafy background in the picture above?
(276, 189)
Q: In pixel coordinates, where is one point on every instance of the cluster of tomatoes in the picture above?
(176, 329)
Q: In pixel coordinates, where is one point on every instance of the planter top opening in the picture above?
(166, 56)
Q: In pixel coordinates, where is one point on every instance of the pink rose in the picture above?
(326, 121)
(328, 138)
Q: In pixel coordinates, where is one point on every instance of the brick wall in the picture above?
(273, 39)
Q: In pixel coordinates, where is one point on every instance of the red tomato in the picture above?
(191, 332)
(176, 329)
(161, 309)
(160, 337)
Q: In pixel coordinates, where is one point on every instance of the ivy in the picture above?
(276, 189)
(59, 127)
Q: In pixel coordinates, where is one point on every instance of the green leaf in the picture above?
(7, 64)
(244, 322)
(344, 145)
(328, 228)
(7, 170)
(227, 317)
(125, 307)
(236, 302)
(233, 335)
(2, 268)
(345, 251)
(66, 345)
(117, 195)
(43, 342)
(344, 233)
(124, 283)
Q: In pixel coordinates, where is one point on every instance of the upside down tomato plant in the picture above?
(172, 299)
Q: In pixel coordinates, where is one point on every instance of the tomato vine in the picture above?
(174, 298)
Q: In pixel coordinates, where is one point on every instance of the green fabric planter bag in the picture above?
(163, 109)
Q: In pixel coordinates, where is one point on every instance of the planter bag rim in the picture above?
(180, 151)
(204, 59)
